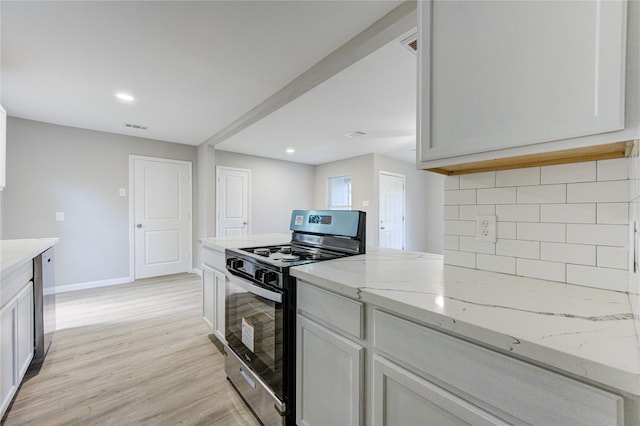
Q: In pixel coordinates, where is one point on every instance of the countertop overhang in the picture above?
(15, 253)
(586, 332)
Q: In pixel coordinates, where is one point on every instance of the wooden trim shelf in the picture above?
(574, 155)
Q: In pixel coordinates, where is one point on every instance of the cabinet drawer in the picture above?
(510, 388)
(214, 259)
(14, 282)
(337, 311)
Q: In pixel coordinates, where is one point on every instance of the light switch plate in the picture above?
(59, 216)
(365, 203)
(123, 192)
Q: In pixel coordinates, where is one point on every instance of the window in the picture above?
(339, 193)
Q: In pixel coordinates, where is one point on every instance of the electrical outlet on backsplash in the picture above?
(567, 222)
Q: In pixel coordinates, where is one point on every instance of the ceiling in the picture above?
(376, 96)
(196, 67)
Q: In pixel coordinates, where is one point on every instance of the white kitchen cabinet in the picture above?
(208, 296)
(25, 325)
(329, 376)
(454, 375)
(219, 293)
(17, 342)
(213, 300)
(499, 76)
(3, 147)
(8, 316)
(403, 398)
(214, 284)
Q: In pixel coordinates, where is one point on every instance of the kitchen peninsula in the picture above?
(442, 333)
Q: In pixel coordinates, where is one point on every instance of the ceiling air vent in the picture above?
(411, 43)
(135, 126)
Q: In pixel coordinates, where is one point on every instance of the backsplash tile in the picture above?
(497, 196)
(599, 192)
(613, 213)
(518, 177)
(612, 170)
(542, 194)
(568, 213)
(568, 173)
(567, 223)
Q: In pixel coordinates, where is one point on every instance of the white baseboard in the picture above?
(197, 271)
(90, 284)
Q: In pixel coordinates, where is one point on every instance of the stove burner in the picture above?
(290, 258)
(262, 251)
(285, 249)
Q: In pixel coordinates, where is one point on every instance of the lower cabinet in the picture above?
(400, 397)
(213, 300)
(16, 344)
(417, 375)
(329, 377)
(208, 297)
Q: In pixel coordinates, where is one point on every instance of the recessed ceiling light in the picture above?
(354, 134)
(125, 97)
(290, 150)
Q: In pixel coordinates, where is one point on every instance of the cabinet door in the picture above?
(208, 296)
(219, 294)
(329, 377)
(9, 378)
(504, 74)
(24, 336)
(3, 146)
(403, 398)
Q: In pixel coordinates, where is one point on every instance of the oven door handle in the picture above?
(258, 291)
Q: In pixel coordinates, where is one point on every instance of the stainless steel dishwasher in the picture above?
(44, 300)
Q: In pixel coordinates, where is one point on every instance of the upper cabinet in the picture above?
(510, 78)
(3, 146)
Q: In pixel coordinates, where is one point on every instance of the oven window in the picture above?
(254, 330)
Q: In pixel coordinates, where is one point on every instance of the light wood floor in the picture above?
(131, 354)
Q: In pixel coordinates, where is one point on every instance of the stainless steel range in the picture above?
(261, 307)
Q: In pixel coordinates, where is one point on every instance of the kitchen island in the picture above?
(17, 315)
(470, 339)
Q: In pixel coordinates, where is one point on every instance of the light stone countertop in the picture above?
(582, 331)
(255, 240)
(15, 253)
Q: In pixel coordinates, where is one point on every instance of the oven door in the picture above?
(254, 329)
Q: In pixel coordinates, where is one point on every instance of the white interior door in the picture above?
(232, 206)
(391, 211)
(162, 217)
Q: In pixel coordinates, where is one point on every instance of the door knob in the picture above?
(244, 223)
(139, 225)
(382, 227)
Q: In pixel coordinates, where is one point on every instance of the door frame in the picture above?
(236, 169)
(132, 219)
(404, 204)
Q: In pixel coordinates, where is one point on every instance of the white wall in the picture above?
(53, 169)
(423, 205)
(362, 188)
(277, 188)
(424, 200)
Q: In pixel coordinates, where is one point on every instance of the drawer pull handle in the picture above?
(248, 379)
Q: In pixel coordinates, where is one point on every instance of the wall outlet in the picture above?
(486, 228)
(59, 216)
